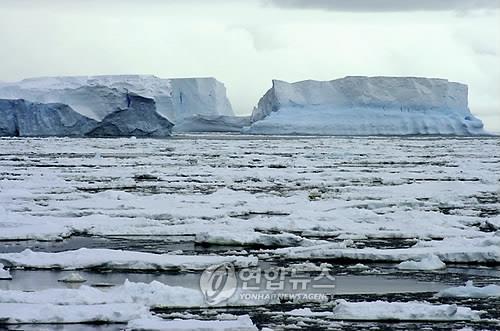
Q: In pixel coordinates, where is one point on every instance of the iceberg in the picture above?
(359, 105)
(138, 119)
(98, 96)
(24, 118)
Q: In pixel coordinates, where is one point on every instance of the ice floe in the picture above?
(471, 291)
(241, 323)
(86, 258)
(458, 250)
(22, 313)
(74, 277)
(396, 311)
(429, 262)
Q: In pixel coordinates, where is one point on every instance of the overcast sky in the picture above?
(247, 43)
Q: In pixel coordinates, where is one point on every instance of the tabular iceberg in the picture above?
(361, 105)
(24, 118)
(98, 96)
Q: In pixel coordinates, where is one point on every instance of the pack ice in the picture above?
(361, 105)
(180, 101)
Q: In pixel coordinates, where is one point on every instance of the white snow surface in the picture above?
(429, 262)
(471, 291)
(86, 258)
(98, 96)
(358, 105)
(242, 323)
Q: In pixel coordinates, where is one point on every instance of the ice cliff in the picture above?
(210, 123)
(366, 106)
(24, 118)
(98, 96)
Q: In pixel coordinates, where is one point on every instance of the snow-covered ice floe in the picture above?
(471, 291)
(22, 313)
(241, 323)
(88, 304)
(429, 262)
(152, 294)
(85, 258)
(396, 311)
(358, 105)
(453, 250)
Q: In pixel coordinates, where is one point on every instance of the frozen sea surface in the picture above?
(343, 201)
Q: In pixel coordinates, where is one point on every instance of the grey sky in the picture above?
(247, 43)
(388, 5)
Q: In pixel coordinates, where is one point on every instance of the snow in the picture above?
(98, 96)
(85, 258)
(402, 311)
(366, 106)
(430, 262)
(242, 323)
(471, 291)
(4, 274)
